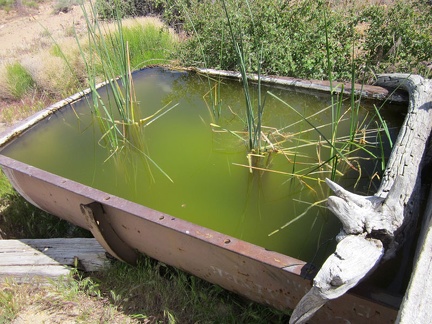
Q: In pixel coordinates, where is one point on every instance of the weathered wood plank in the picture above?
(49, 257)
(31, 271)
(25, 258)
(415, 306)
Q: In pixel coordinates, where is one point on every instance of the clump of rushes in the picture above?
(18, 80)
(118, 116)
(336, 154)
(253, 116)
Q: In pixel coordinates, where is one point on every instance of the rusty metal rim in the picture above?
(213, 237)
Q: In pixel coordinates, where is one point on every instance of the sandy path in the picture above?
(25, 31)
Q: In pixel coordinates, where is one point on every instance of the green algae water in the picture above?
(211, 184)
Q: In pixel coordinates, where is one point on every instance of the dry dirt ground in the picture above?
(24, 30)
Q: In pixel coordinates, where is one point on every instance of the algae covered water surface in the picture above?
(211, 183)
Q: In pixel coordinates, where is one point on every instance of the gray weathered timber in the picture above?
(415, 307)
(28, 258)
(375, 227)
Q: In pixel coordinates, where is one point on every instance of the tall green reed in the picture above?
(253, 120)
(116, 71)
(344, 152)
(253, 116)
(341, 151)
(213, 94)
(107, 54)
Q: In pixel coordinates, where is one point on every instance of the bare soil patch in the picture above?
(27, 30)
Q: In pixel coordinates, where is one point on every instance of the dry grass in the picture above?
(52, 74)
(345, 3)
(39, 54)
(58, 302)
(12, 111)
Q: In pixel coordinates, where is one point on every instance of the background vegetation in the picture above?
(11, 4)
(287, 37)
(57, 69)
(375, 38)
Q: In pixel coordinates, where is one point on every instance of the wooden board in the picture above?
(27, 258)
(415, 307)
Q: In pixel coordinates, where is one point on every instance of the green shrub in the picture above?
(18, 80)
(128, 8)
(399, 37)
(291, 36)
(7, 4)
(289, 39)
(170, 10)
(65, 5)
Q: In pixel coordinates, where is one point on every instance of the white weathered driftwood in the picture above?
(415, 307)
(375, 226)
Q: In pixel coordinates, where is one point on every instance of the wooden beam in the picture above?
(28, 258)
(415, 307)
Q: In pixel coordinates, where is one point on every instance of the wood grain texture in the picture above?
(415, 307)
(27, 258)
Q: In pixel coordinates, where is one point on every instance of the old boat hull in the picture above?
(124, 228)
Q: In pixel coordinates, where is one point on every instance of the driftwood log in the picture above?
(374, 227)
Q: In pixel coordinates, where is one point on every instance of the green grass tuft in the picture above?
(18, 80)
(156, 291)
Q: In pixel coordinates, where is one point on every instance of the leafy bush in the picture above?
(399, 37)
(289, 38)
(65, 5)
(127, 8)
(6, 4)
